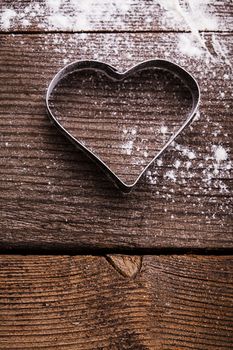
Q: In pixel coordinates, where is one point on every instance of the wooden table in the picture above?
(83, 266)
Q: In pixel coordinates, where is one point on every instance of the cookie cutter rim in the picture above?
(116, 75)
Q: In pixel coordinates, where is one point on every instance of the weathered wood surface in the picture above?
(53, 198)
(130, 15)
(60, 302)
(126, 265)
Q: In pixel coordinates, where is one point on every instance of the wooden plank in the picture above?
(53, 198)
(176, 302)
(128, 15)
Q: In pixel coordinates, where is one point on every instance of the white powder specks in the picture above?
(53, 4)
(221, 51)
(222, 94)
(197, 116)
(163, 130)
(188, 165)
(177, 163)
(151, 177)
(200, 16)
(185, 151)
(159, 162)
(210, 173)
(220, 153)
(127, 147)
(67, 14)
(25, 23)
(65, 60)
(190, 46)
(133, 131)
(196, 16)
(191, 155)
(58, 20)
(6, 19)
(129, 136)
(170, 175)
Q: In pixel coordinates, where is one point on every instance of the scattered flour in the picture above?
(197, 116)
(129, 131)
(222, 94)
(25, 23)
(191, 155)
(133, 131)
(53, 15)
(60, 21)
(220, 153)
(54, 4)
(188, 165)
(221, 51)
(170, 175)
(196, 14)
(159, 162)
(185, 151)
(127, 147)
(189, 46)
(177, 164)
(7, 17)
(129, 136)
(81, 15)
(215, 168)
(163, 130)
(197, 17)
(151, 177)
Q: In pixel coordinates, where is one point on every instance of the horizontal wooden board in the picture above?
(52, 197)
(127, 15)
(62, 302)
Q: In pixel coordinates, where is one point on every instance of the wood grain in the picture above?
(62, 302)
(132, 15)
(53, 198)
(126, 265)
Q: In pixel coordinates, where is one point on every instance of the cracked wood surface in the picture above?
(61, 302)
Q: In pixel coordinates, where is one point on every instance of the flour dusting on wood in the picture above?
(209, 165)
(75, 15)
(53, 14)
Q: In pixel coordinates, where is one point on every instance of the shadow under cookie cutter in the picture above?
(115, 75)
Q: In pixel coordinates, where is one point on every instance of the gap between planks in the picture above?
(40, 32)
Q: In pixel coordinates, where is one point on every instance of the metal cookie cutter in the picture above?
(115, 75)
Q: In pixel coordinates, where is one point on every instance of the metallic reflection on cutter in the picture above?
(115, 75)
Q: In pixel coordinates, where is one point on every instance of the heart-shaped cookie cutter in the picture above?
(115, 75)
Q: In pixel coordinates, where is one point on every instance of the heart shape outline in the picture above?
(116, 75)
